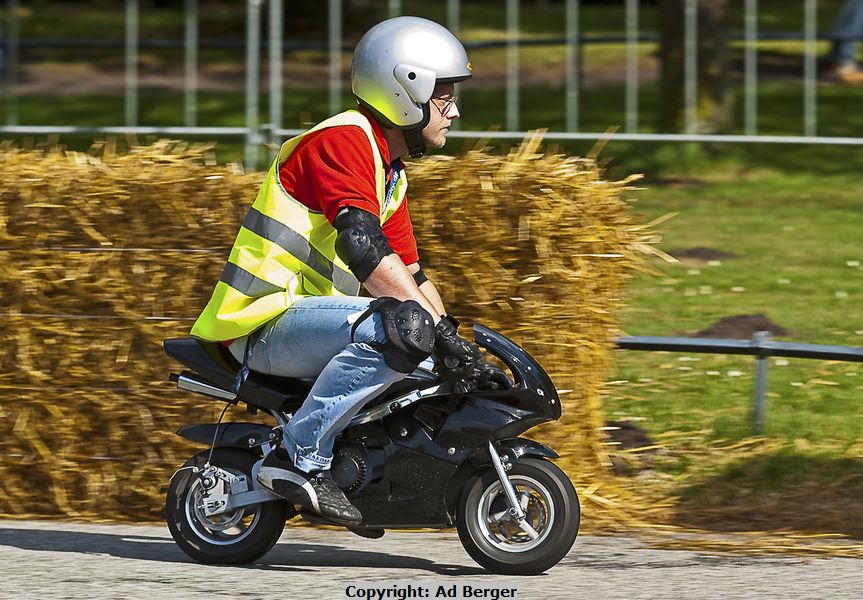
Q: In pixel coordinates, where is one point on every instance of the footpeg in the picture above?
(372, 534)
(359, 530)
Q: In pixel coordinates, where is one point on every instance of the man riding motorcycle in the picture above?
(332, 213)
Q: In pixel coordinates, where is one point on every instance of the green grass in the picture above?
(795, 235)
(797, 240)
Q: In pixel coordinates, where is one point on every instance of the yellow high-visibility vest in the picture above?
(284, 251)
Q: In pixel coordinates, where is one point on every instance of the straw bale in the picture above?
(121, 283)
(107, 254)
(539, 246)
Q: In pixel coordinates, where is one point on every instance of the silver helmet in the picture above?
(397, 64)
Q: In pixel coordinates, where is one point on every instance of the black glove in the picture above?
(490, 377)
(458, 359)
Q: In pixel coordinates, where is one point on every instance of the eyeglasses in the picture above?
(447, 104)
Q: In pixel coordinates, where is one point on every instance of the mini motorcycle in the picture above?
(418, 456)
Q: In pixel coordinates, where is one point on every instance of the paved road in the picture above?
(65, 560)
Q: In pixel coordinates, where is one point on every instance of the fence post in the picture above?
(512, 90)
(191, 64)
(276, 28)
(453, 20)
(751, 68)
(335, 42)
(760, 382)
(395, 8)
(253, 65)
(131, 63)
(810, 59)
(11, 65)
(572, 58)
(690, 67)
(632, 65)
(453, 16)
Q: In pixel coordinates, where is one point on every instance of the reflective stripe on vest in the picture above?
(284, 251)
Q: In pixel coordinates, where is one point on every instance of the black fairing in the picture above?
(236, 435)
(527, 371)
(427, 446)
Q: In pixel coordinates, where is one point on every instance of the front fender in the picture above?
(516, 448)
(230, 435)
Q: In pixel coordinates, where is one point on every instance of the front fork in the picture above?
(516, 510)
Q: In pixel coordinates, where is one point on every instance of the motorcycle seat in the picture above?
(214, 363)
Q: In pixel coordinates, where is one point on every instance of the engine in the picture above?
(350, 469)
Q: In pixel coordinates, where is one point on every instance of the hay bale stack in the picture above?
(107, 254)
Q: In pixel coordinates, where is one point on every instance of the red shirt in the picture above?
(334, 168)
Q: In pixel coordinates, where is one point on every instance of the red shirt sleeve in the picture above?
(400, 234)
(334, 168)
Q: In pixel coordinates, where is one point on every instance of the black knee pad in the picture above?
(409, 330)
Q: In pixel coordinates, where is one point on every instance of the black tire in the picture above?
(501, 546)
(257, 529)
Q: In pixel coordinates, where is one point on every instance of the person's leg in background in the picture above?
(846, 33)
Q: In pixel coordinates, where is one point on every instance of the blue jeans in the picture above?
(849, 24)
(313, 339)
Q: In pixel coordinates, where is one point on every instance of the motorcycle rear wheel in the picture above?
(236, 537)
(495, 540)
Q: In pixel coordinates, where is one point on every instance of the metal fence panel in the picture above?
(573, 39)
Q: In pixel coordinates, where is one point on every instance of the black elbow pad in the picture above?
(361, 243)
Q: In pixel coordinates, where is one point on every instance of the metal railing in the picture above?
(761, 346)
(255, 132)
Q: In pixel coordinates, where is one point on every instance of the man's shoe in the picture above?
(315, 491)
(848, 73)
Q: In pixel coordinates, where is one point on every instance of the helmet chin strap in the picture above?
(416, 143)
(414, 135)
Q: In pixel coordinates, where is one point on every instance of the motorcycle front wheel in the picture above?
(239, 536)
(497, 541)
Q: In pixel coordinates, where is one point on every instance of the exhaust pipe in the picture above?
(190, 384)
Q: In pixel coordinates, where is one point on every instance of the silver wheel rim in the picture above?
(221, 530)
(501, 530)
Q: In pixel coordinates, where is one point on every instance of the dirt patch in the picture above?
(742, 327)
(629, 436)
(676, 183)
(702, 253)
(781, 489)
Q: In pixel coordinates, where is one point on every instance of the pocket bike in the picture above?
(417, 456)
